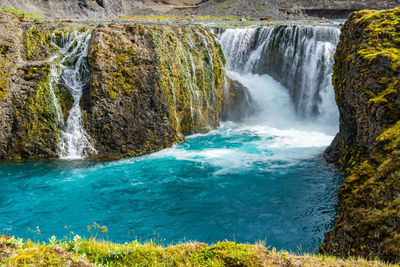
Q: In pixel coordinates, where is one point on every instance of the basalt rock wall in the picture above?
(367, 89)
(28, 126)
(149, 86)
(152, 85)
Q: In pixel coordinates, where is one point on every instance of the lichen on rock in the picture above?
(29, 127)
(150, 86)
(366, 80)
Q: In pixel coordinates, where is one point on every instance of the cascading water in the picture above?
(299, 57)
(70, 66)
(260, 179)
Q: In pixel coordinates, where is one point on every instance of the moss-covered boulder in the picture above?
(237, 104)
(29, 128)
(367, 87)
(150, 86)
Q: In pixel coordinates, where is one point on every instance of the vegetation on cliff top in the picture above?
(78, 251)
(366, 79)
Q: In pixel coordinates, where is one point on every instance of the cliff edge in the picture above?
(367, 90)
(128, 88)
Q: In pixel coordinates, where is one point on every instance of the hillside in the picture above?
(277, 9)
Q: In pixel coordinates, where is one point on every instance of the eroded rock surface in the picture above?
(150, 85)
(367, 87)
(277, 9)
(28, 128)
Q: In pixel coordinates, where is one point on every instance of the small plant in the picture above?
(16, 242)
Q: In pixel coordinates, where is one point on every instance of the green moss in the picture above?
(224, 5)
(64, 98)
(4, 78)
(123, 79)
(35, 39)
(383, 36)
(390, 139)
(26, 14)
(366, 71)
(191, 65)
(41, 124)
(226, 254)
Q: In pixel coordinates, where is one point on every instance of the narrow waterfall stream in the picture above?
(70, 69)
(259, 179)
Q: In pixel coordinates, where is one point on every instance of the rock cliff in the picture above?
(278, 9)
(149, 86)
(291, 9)
(29, 128)
(152, 85)
(367, 89)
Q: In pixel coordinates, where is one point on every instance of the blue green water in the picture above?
(234, 183)
(260, 180)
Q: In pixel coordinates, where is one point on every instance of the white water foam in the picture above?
(71, 67)
(300, 57)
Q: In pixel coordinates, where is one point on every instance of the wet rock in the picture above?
(151, 86)
(238, 103)
(367, 147)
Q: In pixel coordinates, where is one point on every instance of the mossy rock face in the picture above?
(29, 128)
(10, 38)
(150, 86)
(367, 89)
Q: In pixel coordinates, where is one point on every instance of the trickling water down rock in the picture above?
(75, 142)
(30, 121)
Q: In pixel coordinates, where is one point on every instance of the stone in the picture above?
(367, 147)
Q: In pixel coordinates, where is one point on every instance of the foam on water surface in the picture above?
(262, 179)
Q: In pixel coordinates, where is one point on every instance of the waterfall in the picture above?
(69, 68)
(298, 57)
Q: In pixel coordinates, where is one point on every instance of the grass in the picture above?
(33, 15)
(77, 251)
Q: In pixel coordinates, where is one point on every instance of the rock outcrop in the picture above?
(95, 8)
(278, 9)
(238, 104)
(150, 85)
(28, 126)
(367, 87)
(291, 9)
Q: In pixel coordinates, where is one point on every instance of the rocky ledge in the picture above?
(149, 86)
(367, 87)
